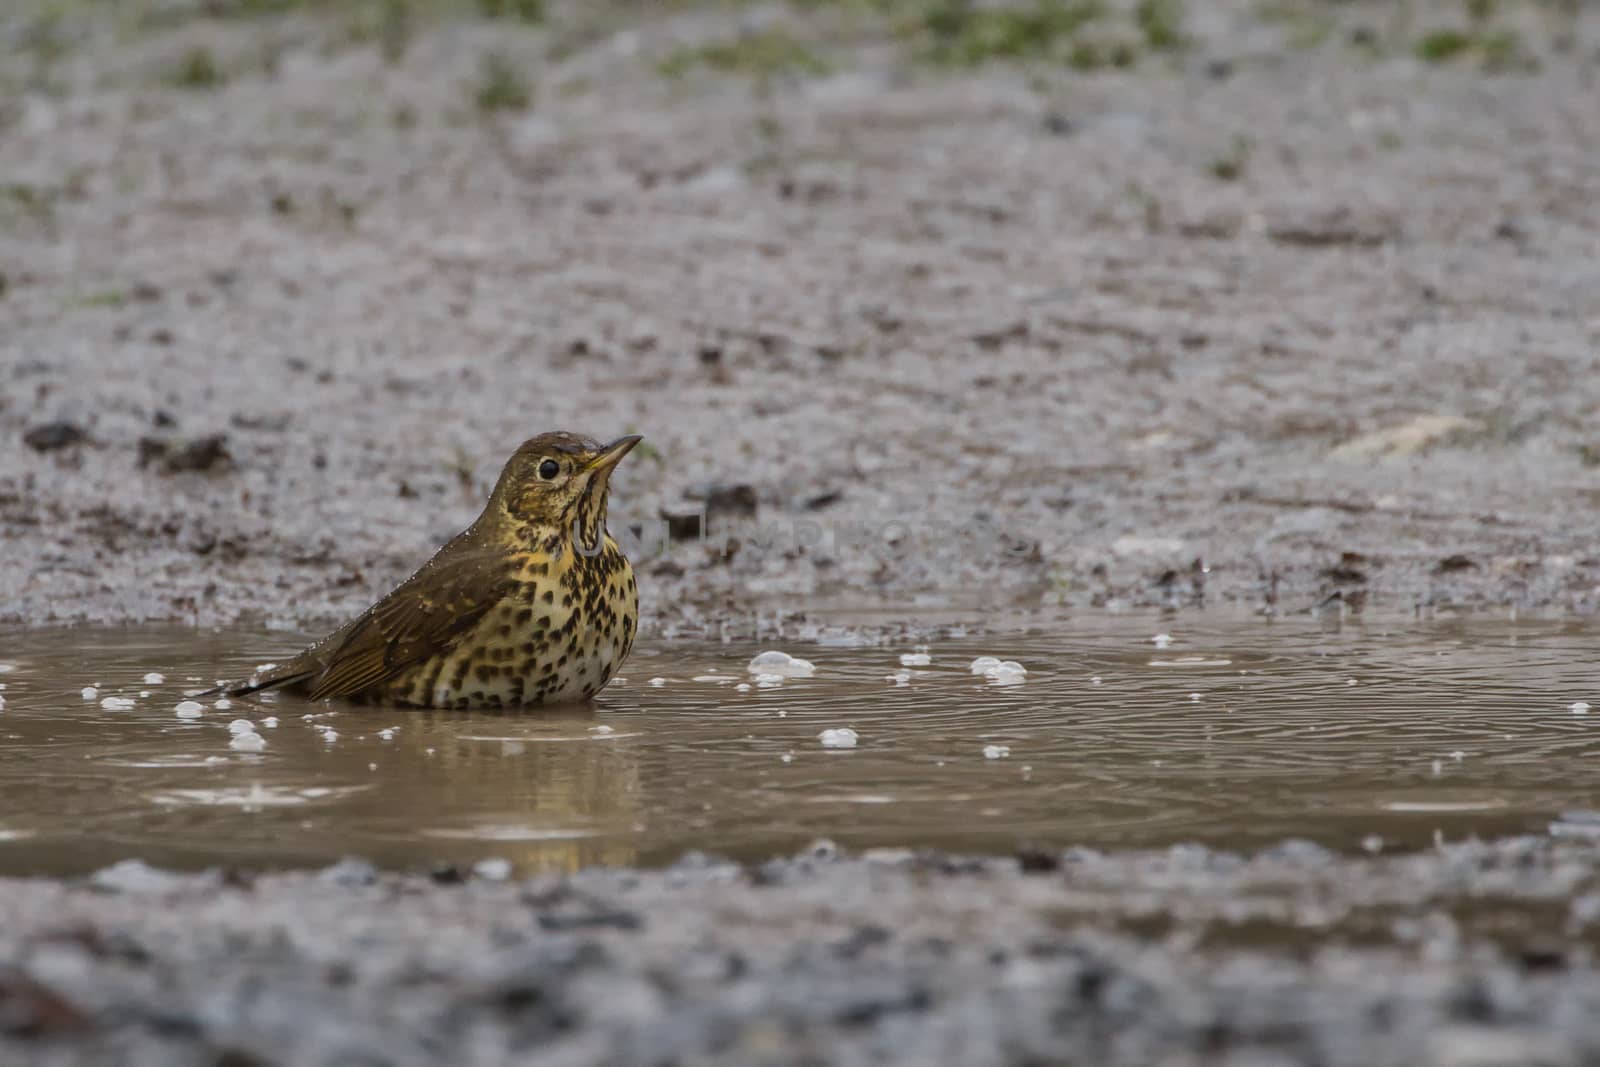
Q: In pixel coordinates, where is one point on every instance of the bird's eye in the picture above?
(549, 469)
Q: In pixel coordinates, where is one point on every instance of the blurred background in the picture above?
(1246, 302)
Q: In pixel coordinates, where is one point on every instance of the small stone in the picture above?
(52, 435)
(492, 869)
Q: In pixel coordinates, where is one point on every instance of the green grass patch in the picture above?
(530, 11)
(501, 86)
(1496, 51)
(764, 55)
(1441, 46)
(197, 69)
(1161, 22)
(961, 34)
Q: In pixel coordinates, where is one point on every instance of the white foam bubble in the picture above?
(241, 726)
(996, 751)
(658, 682)
(840, 737)
(1579, 707)
(189, 709)
(154, 678)
(117, 703)
(250, 742)
(222, 704)
(781, 664)
(915, 659)
(999, 671)
(89, 692)
(1161, 640)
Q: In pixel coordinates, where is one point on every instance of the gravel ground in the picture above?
(1292, 956)
(1291, 301)
(1303, 302)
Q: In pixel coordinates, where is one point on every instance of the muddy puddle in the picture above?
(1122, 732)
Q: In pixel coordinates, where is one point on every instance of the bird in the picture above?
(534, 603)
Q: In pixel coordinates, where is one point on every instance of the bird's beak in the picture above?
(612, 454)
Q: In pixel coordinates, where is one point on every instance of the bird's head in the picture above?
(556, 484)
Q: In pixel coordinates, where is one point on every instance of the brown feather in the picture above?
(433, 608)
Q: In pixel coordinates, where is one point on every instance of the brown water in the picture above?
(1239, 733)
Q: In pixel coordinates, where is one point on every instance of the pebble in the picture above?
(781, 664)
(189, 709)
(996, 751)
(154, 678)
(492, 869)
(842, 737)
(117, 703)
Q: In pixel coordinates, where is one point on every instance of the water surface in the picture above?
(1237, 733)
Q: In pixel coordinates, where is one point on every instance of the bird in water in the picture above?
(534, 603)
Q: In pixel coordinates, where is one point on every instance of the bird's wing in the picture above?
(426, 614)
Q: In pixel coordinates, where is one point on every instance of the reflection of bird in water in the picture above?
(534, 603)
(550, 793)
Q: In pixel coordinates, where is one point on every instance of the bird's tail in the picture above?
(292, 673)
